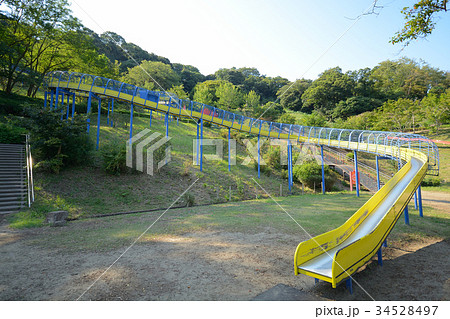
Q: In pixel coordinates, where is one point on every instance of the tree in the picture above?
(436, 109)
(330, 88)
(178, 90)
(205, 92)
(28, 29)
(419, 20)
(397, 115)
(232, 75)
(152, 76)
(228, 96)
(355, 105)
(290, 95)
(252, 100)
(286, 118)
(406, 78)
(189, 75)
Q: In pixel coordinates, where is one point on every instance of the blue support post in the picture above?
(45, 99)
(385, 243)
(68, 106)
(406, 214)
(415, 200)
(89, 111)
(229, 150)
(292, 167)
(51, 100)
(151, 114)
(198, 141)
(289, 166)
(356, 173)
(349, 285)
(56, 97)
(107, 116)
(73, 105)
(62, 106)
(178, 124)
(378, 173)
(419, 192)
(98, 122)
(316, 281)
(259, 158)
(323, 170)
(201, 145)
(131, 120)
(380, 257)
(167, 124)
(112, 112)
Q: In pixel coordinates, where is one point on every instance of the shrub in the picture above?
(114, 158)
(310, 174)
(189, 199)
(11, 134)
(431, 181)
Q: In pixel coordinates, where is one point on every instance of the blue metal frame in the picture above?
(98, 122)
(356, 173)
(323, 170)
(229, 150)
(58, 79)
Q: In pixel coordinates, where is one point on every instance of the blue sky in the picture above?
(293, 39)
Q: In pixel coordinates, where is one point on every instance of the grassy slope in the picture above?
(85, 191)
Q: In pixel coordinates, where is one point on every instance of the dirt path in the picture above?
(207, 266)
(437, 200)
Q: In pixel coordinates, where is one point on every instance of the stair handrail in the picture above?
(30, 182)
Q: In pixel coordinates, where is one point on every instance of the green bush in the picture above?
(10, 134)
(431, 181)
(54, 142)
(114, 158)
(310, 174)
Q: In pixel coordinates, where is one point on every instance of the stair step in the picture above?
(11, 203)
(11, 198)
(13, 192)
(11, 207)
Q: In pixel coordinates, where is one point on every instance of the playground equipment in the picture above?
(333, 256)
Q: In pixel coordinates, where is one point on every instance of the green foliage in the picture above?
(56, 143)
(330, 88)
(431, 181)
(252, 100)
(355, 105)
(189, 75)
(310, 174)
(268, 112)
(228, 96)
(286, 118)
(114, 158)
(161, 77)
(290, 95)
(10, 134)
(419, 20)
(314, 119)
(178, 90)
(272, 158)
(189, 199)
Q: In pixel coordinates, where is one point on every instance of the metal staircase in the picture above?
(13, 177)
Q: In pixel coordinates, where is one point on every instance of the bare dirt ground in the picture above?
(207, 266)
(437, 200)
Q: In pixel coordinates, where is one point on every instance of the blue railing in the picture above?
(186, 107)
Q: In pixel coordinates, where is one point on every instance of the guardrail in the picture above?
(367, 141)
(30, 181)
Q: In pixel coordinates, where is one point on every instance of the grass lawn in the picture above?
(315, 213)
